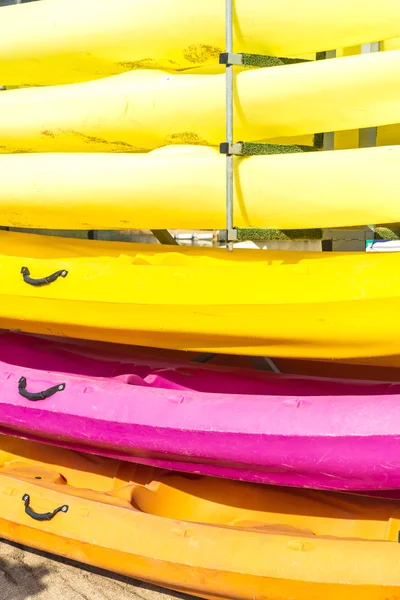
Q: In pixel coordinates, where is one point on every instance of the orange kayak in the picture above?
(203, 536)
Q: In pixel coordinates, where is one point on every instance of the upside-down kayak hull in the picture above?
(53, 42)
(259, 427)
(183, 187)
(263, 541)
(143, 110)
(156, 190)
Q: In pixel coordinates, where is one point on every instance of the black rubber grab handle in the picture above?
(45, 280)
(38, 395)
(44, 516)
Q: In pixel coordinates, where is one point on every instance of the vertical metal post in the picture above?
(329, 137)
(367, 136)
(329, 144)
(229, 121)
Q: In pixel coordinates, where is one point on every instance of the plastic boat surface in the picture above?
(246, 425)
(214, 538)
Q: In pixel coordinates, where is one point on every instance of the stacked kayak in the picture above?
(114, 121)
(155, 190)
(288, 304)
(119, 448)
(252, 539)
(66, 42)
(231, 423)
(144, 109)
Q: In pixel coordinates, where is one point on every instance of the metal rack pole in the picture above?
(367, 136)
(229, 121)
(329, 137)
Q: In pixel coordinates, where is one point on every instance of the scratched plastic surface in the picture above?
(214, 537)
(232, 423)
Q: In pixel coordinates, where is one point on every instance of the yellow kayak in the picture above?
(54, 41)
(143, 110)
(180, 532)
(183, 187)
(386, 134)
(129, 273)
(305, 305)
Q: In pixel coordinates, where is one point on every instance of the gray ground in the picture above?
(26, 574)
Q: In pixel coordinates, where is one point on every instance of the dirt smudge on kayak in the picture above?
(148, 63)
(112, 145)
(201, 53)
(48, 133)
(187, 137)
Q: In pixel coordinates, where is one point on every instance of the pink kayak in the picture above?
(238, 424)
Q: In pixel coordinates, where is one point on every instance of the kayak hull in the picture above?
(140, 448)
(265, 541)
(309, 332)
(258, 427)
(119, 114)
(155, 190)
(302, 305)
(64, 43)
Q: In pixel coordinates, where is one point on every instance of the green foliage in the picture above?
(262, 235)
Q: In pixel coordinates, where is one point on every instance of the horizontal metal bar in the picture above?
(164, 237)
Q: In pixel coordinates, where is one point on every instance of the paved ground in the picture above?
(27, 574)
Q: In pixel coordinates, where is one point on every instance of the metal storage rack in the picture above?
(367, 137)
(228, 59)
(229, 147)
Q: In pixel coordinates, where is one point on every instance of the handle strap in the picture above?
(44, 280)
(42, 516)
(22, 383)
